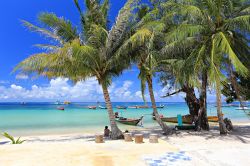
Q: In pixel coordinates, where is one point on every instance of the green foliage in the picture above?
(12, 139)
(81, 55)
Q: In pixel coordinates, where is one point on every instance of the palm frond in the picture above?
(241, 23)
(60, 26)
(42, 31)
(223, 45)
(122, 22)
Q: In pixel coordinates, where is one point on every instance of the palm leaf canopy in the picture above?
(214, 29)
(84, 54)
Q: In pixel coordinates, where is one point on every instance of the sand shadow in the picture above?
(4, 142)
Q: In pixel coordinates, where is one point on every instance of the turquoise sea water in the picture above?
(44, 118)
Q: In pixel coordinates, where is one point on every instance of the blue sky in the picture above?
(16, 44)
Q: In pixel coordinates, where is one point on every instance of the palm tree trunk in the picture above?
(235, 85)
(222, 126)
(202, 116)
(116, 133)
(191, 100)
(164, 127)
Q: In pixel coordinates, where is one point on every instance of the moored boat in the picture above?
(134, 106)
(121, 107)
(160, 106)
(243, 108)
(212, 118)
(92, 107)
(142, 106)
(186, 119)
(101, 107)
(138, 106)
(128, 121)
(60, 108)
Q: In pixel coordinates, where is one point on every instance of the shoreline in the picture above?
(93, 130)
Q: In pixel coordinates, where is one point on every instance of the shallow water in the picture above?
(44, 118)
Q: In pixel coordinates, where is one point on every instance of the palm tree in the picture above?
(142, 49)
(85, 54)
(214, 28)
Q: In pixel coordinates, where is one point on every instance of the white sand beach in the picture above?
(203, 148)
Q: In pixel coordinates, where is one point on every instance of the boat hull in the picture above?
(212, 118)
(132, 122)
(121, 107)
(187, 119)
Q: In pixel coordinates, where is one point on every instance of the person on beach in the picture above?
(106, 131)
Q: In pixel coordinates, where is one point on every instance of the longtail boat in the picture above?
(160, 106)
(92, 107)
(121, 107)
(142, 106)
(101, 107)
(138, 106)
(186, 119)
(135, 106)
(60, 108)
(128, 121)
(212, 119)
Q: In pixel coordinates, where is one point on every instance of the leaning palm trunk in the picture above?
(202, 116)
(116, 133)
(235, 86)
(164, 127)
(222, 126)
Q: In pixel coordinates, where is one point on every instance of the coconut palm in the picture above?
(217, 29)
(142, 48)
(85, 54)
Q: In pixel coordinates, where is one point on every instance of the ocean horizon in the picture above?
(43, 118)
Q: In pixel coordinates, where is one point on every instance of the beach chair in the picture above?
(180, 125)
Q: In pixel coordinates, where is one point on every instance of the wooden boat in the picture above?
(101, 107)
(60, 108)
(92, 107)
(142, 106)
(138, 106)
(160, 106)
(212, 118)
(128, 121)
(186, 119)
(135, 106)
(243, 108)
(121, 107)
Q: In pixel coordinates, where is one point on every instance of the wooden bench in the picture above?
(99, 138)
(153, 138)
(128, 137)
(138, 138)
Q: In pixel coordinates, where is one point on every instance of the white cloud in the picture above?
(89, 90)
(62, 89)
(22, 77)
